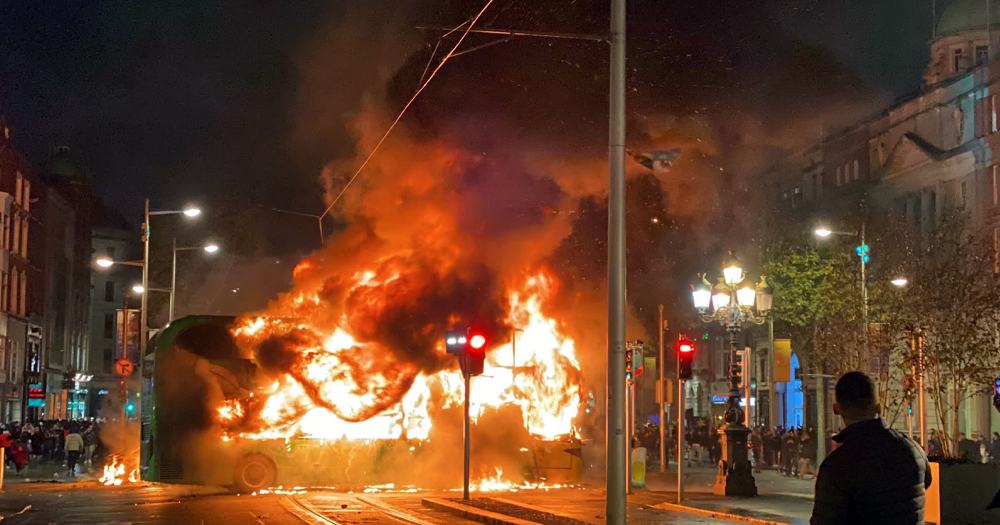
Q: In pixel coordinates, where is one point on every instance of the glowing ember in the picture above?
(330, 385)
(114, 472)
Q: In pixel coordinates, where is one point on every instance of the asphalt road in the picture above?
(79, 504)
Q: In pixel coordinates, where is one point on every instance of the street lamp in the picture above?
(732, 306)
(899, 282)
(104, 262)
(210, 248)
(863, 254)
(138, 288)
(189, 212)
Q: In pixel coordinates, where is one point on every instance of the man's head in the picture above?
(961, 436)
(855, 398)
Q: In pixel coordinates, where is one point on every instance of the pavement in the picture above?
(48, 472)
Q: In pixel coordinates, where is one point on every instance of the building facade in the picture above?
(112, 238)
(923, 157)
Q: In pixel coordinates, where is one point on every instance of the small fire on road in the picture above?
(114, 472)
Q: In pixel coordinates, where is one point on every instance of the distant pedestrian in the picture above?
(74, 447)
(876, 475)
(968, 450)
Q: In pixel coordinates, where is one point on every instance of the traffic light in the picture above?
(737, 366)
(130, 407)
(476, 353)
(470, 347)
(628, 362)
(685, 357)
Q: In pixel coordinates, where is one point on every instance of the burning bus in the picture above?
(264, 401)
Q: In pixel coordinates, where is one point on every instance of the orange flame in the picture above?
(336, 387)
(114, 472)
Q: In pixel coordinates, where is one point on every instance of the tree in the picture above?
(953, 300)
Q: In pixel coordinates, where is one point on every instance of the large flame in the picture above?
(330, 385)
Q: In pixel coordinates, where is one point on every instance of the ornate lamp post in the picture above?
(732, 304)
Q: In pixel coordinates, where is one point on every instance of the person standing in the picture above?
(876, 475)
(968, 450)
(73, 446)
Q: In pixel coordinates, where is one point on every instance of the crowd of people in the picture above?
(51, 441)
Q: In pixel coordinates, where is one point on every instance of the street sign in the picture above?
(123, 367)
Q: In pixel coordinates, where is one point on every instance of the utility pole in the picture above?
(663, 400)
(617, 446)
(773, 406)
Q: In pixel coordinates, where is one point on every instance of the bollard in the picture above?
(639, 467)
(3, 466)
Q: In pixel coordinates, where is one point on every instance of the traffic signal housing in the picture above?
(470, 347)
(737, 367)
(628, 362)
(685, 358)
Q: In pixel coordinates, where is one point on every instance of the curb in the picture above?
(715, 514)
(545, 510)
(472, 513)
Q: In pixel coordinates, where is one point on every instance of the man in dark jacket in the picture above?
(876, 475)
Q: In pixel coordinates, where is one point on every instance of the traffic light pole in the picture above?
(465, 486)
(680, 436)
(663, 400)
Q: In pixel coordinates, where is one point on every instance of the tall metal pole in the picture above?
(864, 291)
(663, 400)
(616, 445)
(465, 485)
(680, 435)
(820, 417)
(124, 385)
(173, 281)
(143, 324)
(772, 399)
(748, 371)
(919, 342)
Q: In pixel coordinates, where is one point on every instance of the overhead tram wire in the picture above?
(392, 126)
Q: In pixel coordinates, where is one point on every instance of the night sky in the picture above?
(184, 100)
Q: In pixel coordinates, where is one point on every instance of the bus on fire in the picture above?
(197, 368)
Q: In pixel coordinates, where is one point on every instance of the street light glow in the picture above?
(104, 262)
(192, 211)
(138, 288)
(823, 232)
(899, 282)
(211, 248)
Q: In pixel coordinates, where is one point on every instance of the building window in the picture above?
(109, 291)
(818, 186)
(839, 180)
(24, 294)
(18, 188)
(932, 211)
(965, 194)
(109, 359)
(996, 185)
(26, 202)
(24, 239)
(17, 234)
(958, 60)
(982, 55)
(109, 326)
(996, 250)
(857, 172)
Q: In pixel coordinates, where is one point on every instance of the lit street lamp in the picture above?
(189, 212)
(732, 304)
(899, 282)
(208, 248)
(863, 255)
(138, 288)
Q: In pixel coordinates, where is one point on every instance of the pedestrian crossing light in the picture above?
(130, 408)
(628, 362)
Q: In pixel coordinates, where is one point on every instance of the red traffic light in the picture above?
(685, 346)
(477, 341)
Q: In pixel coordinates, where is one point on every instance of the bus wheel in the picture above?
(254, 472)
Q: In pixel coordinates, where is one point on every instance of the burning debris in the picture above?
(114, 472)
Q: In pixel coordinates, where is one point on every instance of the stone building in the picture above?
(925, 155)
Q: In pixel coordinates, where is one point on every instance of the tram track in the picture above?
(347, 510)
